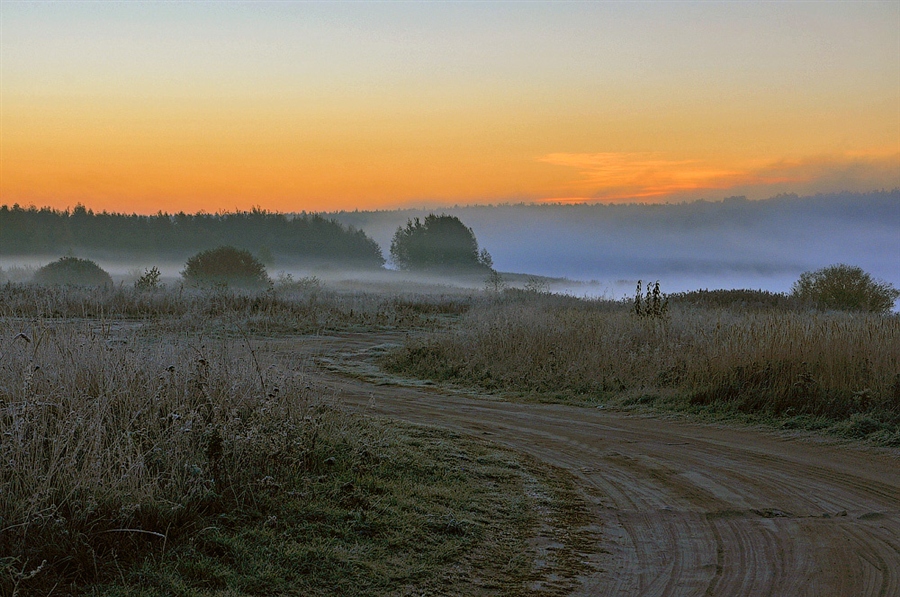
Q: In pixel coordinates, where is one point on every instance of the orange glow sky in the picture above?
(143, 106)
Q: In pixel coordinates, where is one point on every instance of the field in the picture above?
(186, 442)
(153, 444)
(836, 372)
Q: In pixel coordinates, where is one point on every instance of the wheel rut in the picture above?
(684, 508)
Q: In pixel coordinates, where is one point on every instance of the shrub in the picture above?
(149, 280)
(226, 266)
(72, 271)
(844, 287)
(494, 283)
(536, 285)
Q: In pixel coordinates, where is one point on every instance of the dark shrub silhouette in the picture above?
(72, 271)
(225, 266)
(440, 242)
(150, 280)
(653, 305)
(845, 288)
(736, 298)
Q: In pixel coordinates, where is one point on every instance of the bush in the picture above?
(149, 280)
(74, 272)
(226, 266)
(845, 288)
(440, 242)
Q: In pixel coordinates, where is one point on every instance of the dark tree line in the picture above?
(303, 238)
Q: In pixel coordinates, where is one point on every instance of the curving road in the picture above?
(686, 509)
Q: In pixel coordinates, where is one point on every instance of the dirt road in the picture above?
(687, 509)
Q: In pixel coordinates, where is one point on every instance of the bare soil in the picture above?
(679, 508)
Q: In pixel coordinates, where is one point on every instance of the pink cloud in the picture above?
(615, 176)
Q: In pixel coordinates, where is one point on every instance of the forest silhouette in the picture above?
(303, 238)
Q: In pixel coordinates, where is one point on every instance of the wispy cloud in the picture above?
(646, 175)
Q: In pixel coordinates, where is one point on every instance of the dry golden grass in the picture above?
(786, 363)
(106, 437)
(173, 453)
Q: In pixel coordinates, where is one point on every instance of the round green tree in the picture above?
(72, 271)
(225, 266)
(845, 288)
(440, 242)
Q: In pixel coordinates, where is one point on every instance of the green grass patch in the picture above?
(425, 512)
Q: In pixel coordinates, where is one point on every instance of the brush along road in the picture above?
(684, 508)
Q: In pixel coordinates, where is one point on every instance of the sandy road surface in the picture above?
(687, 509)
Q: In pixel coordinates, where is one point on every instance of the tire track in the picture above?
(687, 509)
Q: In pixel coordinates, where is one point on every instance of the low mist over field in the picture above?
(593, 249)
(707, 244)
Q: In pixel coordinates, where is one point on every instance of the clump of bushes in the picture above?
(438, 243)
(72, 271)
(226, 266)
(844, 287)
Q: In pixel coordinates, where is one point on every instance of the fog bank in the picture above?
(734, 243)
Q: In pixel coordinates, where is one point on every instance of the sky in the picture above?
(307, 106)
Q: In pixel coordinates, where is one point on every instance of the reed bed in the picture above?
(787, 363)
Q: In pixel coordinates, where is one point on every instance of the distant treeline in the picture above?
(304, 238)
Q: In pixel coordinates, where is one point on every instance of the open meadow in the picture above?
(371, 440)
(485, 298)
(152, 445)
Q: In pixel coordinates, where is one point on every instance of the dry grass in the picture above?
(288, 308)
(836, 366)
(161, 456)
(106, 439)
